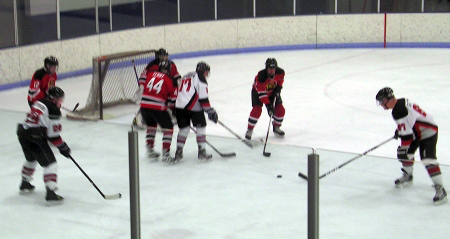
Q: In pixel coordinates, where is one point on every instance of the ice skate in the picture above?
(152, 154)
(52, 198)
(138, 124)
(248, 134)
(179, 154)
(26, 187)
(277, 131)
(404, 180)
(203, 156)
(166, 158)
(441, 195)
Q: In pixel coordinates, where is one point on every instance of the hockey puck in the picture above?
(279, 176)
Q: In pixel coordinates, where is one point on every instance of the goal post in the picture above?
(113, 82)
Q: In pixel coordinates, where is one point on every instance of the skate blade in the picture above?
(26, 191)
(403, 185)
(204, 160)
(440, 202)
(54, 203)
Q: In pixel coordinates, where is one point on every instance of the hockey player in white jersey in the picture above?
(417, 130)
(42, 125)
(192, 101)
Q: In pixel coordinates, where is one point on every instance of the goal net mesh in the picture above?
(114, 82)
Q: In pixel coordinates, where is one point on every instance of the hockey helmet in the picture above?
(271, 63)
(161, 54)
(202, 67)
(385, 93)
(164, 66)
(55, 92)
(51, 60)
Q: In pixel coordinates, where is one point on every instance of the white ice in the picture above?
(329, 96)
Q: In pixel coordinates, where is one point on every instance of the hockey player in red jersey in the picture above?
(42, 80)
(160, 55)
(266, 90)
(42, 125)
(191, 104)
(417, 130)
(158, 96)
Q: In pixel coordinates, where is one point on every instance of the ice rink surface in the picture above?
(329, 96)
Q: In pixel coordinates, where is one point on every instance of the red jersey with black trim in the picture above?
(40, 83)
(265, 85)
(159, 91)
(154, 66)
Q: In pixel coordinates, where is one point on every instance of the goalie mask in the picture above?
(162, 54)
(164, 66)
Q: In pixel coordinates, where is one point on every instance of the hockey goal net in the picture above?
(114, 83)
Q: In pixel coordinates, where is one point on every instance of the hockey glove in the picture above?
(402, 152)
(270, 109)
(64, 150)
(212, 115)
(277, 91)
(396, 134)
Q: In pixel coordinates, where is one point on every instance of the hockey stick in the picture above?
(267, 154)
(246, 142)
(74, 108)
(349, 161)
(223, 155)
(135, 71)
(107, 197)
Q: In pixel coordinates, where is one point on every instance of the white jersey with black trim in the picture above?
(192, 93)
(41, 116)
(412, 120)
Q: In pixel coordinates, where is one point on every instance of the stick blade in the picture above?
(301, 175)
(267, 154)
(228, 155)
(113, 196)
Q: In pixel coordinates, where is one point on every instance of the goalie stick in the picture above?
(74, 108)
(223, 155)
(107, 197)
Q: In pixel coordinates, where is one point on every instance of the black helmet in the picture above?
(51, 60)
(385, 93)
(164, 66)
(202, 67)
(271, 63)
(55, 92)
(159, 54)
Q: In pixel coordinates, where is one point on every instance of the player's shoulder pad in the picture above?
(53, 111)
(39, 74)
(279, 71)
(262, 76)
(151, 63)
(400, 111)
